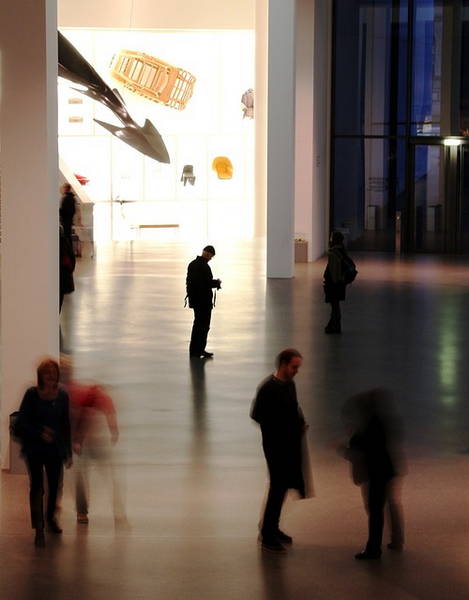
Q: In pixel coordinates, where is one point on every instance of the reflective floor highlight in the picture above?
(189, 460)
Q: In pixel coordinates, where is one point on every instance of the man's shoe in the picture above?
(82, 518)
(54, 527)
(39, 539)
(207, 354)
(368, 555)
(283, 537)
(272, 545)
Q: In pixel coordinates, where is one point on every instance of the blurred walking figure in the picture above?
(340, 271)
(66, 267)
(276, 409)
(375, 453)
(94, 433)
(43, 428)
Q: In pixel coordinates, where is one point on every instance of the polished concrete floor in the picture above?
(189, 459)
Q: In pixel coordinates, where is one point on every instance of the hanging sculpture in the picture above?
(75, 68)
(223, 167)
(247, 100)
(153, 78)
(188, 175)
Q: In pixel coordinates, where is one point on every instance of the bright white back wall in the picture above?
(149, 14)
(210, 126)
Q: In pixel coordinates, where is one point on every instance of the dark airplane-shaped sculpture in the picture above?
(74, 67)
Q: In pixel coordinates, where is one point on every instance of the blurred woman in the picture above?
(375, 453)
(43, 427)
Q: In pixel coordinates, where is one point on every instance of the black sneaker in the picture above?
(207, 354)
(365, 555)
(283, 537)
(272, 545)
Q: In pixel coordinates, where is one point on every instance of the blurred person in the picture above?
(375, 453)
(339, 271)
(276, 409)
(43, 428)
(66, 268)
(94, 432)
(68, 209)
(199, 285)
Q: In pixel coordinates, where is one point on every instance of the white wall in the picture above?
(162, 14)
(321, 126)
(304, 122)
(30, 220)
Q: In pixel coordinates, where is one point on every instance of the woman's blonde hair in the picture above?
(44, 365)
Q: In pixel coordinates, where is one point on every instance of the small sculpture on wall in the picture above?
(188, 175)
(75, 68)
(223, 167)
(153, 78)
(247, 100)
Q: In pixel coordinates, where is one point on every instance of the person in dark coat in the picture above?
(43, 428)
(67, 210)
(334, 282)
(276, 409)
(199, 285)
(66, 268)
(374, 451)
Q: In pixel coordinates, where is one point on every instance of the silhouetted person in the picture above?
(67, 210)
(374, 451)
(335, 279)
(199, 285)
(66, 267)
(43, 427)
(276, 409)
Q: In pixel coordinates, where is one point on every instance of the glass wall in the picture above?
(400, 81)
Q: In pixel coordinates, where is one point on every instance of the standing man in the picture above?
(199, 284)
(276, 409)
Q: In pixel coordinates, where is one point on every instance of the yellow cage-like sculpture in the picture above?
(153, 78)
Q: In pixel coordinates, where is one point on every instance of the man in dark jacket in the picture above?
(199, 284)
(276, 409)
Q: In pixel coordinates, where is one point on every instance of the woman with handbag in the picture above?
(43, 427)
(340, 271)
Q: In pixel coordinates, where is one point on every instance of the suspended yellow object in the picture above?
(153, 78)
(223, 167)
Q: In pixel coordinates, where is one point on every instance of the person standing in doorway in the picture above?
(276, 409)
(199, 285)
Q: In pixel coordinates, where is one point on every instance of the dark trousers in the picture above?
(273, 508)
(200, 328)
(334, 321)
(376, 499)
(53, 467)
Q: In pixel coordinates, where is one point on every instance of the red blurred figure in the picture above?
(94, 433)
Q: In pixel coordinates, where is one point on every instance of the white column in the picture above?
(322, 35)
(260, 116)
(304, 122)
(29, 197)
(281, 138)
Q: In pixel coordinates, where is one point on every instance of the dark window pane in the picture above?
(370, 67)
(369, 186)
